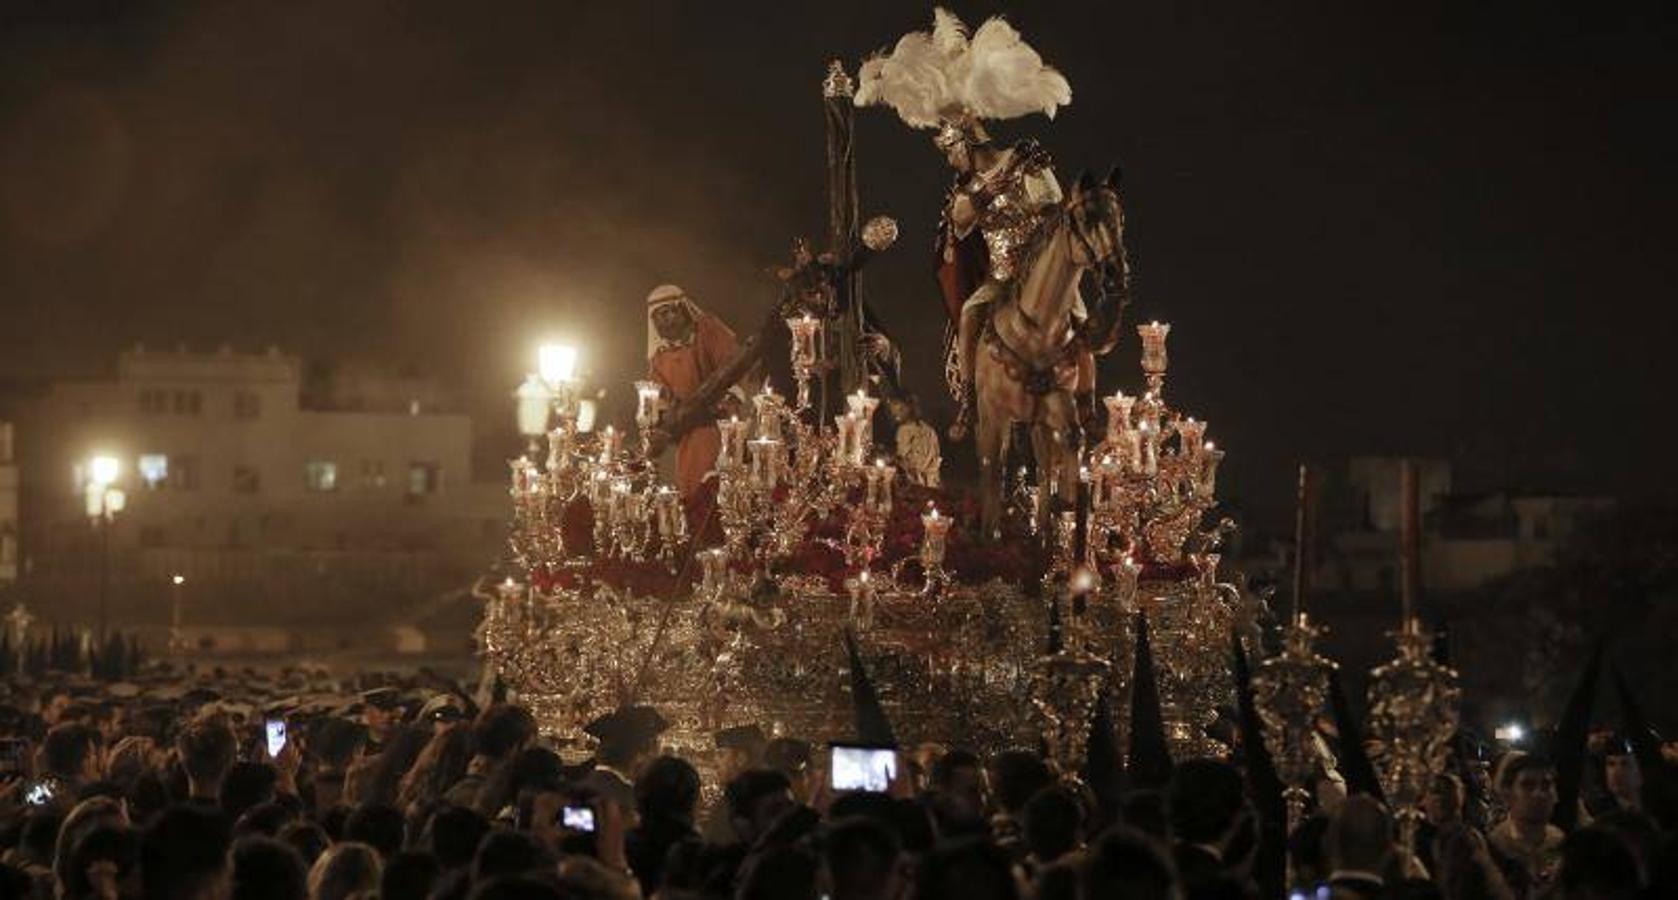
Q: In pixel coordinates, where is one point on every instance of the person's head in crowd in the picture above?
(1462, 863)
(628, 736)
(1528, 785)
(779, 873)
(1305, 849)
(338, 743)
(1204, 799)
(1443, 802)
(958, 790)
(1597, 864)
(84, 817)
(266, 869)
(863, 859)
(248, 784)
(440, 765)
(966, 869)
(408, 876)
(70, 754)
(264, 820)
(740, 748)
(307, 838)
(1127, 864)
(381, 827)
(207, 749)
(1641, 835)
(755, 799)
(1144, 810)
(381, 710)
(38, 837)
(517, 887)
(502, 730)
(104, 863)
(1015, 776)
(130, 758)
(1359, 837)
(345, 870)
(1621, 775)
(402, 747)
(506, 852)
(1054, 823)
(668, 788)
(453, 835)
(332, 821)
(184, 854)
(790, 757)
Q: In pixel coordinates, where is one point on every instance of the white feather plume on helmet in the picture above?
(944, 79)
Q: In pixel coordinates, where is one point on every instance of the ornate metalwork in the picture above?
(1413, 710)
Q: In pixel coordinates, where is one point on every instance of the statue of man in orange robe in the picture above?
(685, 345)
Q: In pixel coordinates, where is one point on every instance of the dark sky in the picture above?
(1438, 228)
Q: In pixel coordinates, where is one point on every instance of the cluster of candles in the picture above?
(1134, 446)
(855, 428)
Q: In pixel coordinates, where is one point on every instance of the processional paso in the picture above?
(799, 545)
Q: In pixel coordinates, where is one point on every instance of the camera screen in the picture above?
(578, 818)
(276, 737)
(863, 768)
(39, 794)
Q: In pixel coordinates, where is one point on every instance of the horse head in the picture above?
(1096, 220)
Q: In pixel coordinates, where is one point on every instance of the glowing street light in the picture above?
(557, 363)
(104, 470)
(104, 502)
(533, 398)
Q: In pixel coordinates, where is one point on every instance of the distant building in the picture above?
(272, 505)
(1467, 540)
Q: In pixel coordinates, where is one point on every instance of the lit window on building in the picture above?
(246, 480)
(154, 469)
(424, 478)
(320, 475)
(247, 405)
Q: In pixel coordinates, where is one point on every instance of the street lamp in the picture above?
(556, 365)
(175, 636)
(104, 502)
(533, 399)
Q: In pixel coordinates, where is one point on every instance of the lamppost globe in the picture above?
(556, 363)
(104, 470)
(177, 580)
(533, 398)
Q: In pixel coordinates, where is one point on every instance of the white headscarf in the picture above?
(662, 296)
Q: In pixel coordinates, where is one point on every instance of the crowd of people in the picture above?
(286, 787)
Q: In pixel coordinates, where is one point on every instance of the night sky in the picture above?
(1434, 228)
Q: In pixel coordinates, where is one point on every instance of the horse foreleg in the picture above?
(990, 439)
(1059, 442)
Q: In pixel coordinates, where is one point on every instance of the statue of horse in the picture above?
(1029, 352)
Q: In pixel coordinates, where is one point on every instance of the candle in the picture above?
(768, 405)
(559, 449)
(765, 459)
(1131, 444)
(610, 441)
(845, 426)
(647, 406)
(1189, 435)
(1210, 456)
(728, 454)
(1153, 347)
(1118, 413)
(888, 475)
(1149, 433)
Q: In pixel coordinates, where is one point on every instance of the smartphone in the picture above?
(275, 729)
(40, 793)
(578, 818)
(13, 752)
(858, 768)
